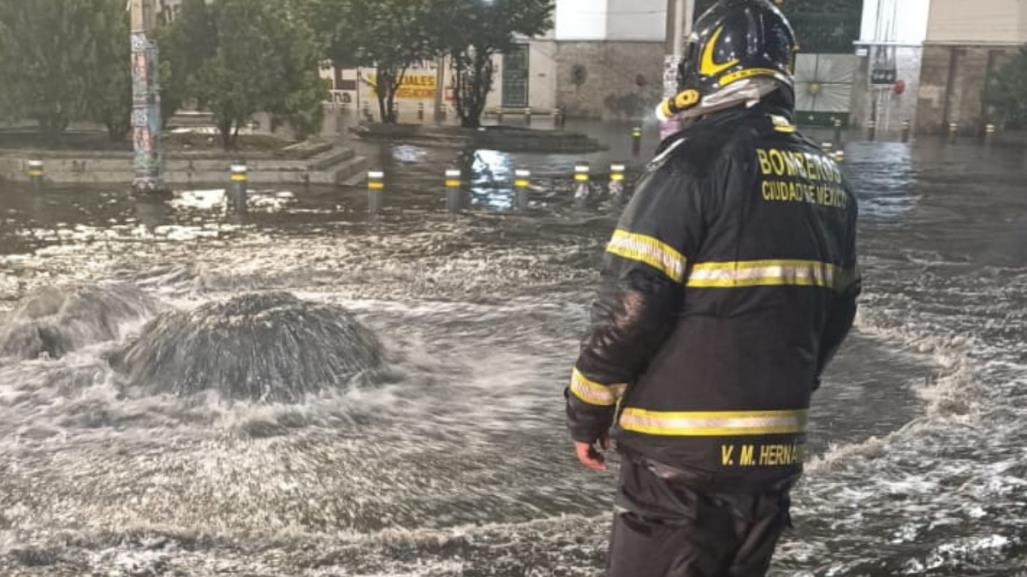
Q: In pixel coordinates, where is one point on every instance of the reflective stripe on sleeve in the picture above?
(769, 273)
(650, 251)
(714, 424)
(594, 393)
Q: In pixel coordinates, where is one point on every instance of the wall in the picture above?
(952, 83)
(622, 79)
(977, 22)
(898, 21)
(967, 42)
(636, 20)
(581, 19)
(892, 109)
(578, 20)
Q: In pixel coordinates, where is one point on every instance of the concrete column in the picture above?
(146, 120)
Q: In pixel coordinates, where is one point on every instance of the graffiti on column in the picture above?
(146, 122)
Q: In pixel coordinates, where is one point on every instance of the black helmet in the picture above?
(733, 41)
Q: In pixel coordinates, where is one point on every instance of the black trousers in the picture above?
(665, 529)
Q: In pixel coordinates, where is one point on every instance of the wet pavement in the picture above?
(456, 463)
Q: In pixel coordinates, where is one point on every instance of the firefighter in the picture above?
(728, 286)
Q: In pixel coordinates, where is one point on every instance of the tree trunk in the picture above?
(225, 128)
(474, 82)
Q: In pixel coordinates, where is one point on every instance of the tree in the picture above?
(261, 63)
(1008, 90)
(108, 96)
(185, 44)
(390, 35)
(44, 55)
(473, 32)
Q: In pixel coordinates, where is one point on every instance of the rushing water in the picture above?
(455, 461)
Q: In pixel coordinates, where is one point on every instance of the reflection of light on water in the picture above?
(491, 183)
(408, 153)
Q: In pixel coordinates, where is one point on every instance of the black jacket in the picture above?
(727, 288)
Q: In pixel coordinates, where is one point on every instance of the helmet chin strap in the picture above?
(748, 92)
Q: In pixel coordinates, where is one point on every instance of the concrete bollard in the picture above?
(366, 107)
(989, 134)
(636, 141)
(454, 191)
(558, 119)
(907, 127)
(499, 116)
(839, 156)
(871, 130)
(522, 184)
(953, 131)
(375, 192)
(420, 112)
(240, 194)
(582, 187)
(617, 183)
(527, 116)
(838, 130)
(35, 170)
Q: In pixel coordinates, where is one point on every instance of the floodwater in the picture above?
(456, 463)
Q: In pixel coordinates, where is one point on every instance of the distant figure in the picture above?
(728, 286)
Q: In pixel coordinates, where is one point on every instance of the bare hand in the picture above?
(590, 457)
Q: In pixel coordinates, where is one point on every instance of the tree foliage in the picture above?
(185, 44)
(1008, 90)
(263, 60)
(108, 94)
(473, 32)
(389, 35)
(45, 59)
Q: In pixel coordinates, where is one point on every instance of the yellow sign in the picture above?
(414, 87)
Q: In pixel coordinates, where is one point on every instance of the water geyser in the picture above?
(269, 347)
(58, 320)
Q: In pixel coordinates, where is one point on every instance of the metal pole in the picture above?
(239, 184)
(146, 120)
(582, 189)
(454, 194)
(375, 192)
(617, 184)
(522, 182)
(35, 171)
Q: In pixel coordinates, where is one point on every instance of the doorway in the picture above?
(515, 77)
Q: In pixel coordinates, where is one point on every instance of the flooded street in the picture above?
(445, 453)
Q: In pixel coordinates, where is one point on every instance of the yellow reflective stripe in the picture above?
(749, 73)
(594, 393)
(714, 424)
(238, 178)
(376, 185)
(581, 177)
(453, 184)
(765, 273)
(521, 183)
(648, 250)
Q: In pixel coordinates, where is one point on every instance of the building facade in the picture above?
(890, 49)
(967, 44)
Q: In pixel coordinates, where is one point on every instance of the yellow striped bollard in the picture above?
(454, 192)
(522, 183)
(989, 134)
(35, 170)
(375, 192)
(617, 183)
(953, 131)
(582, 187)
(240, 180)
(636, 141)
